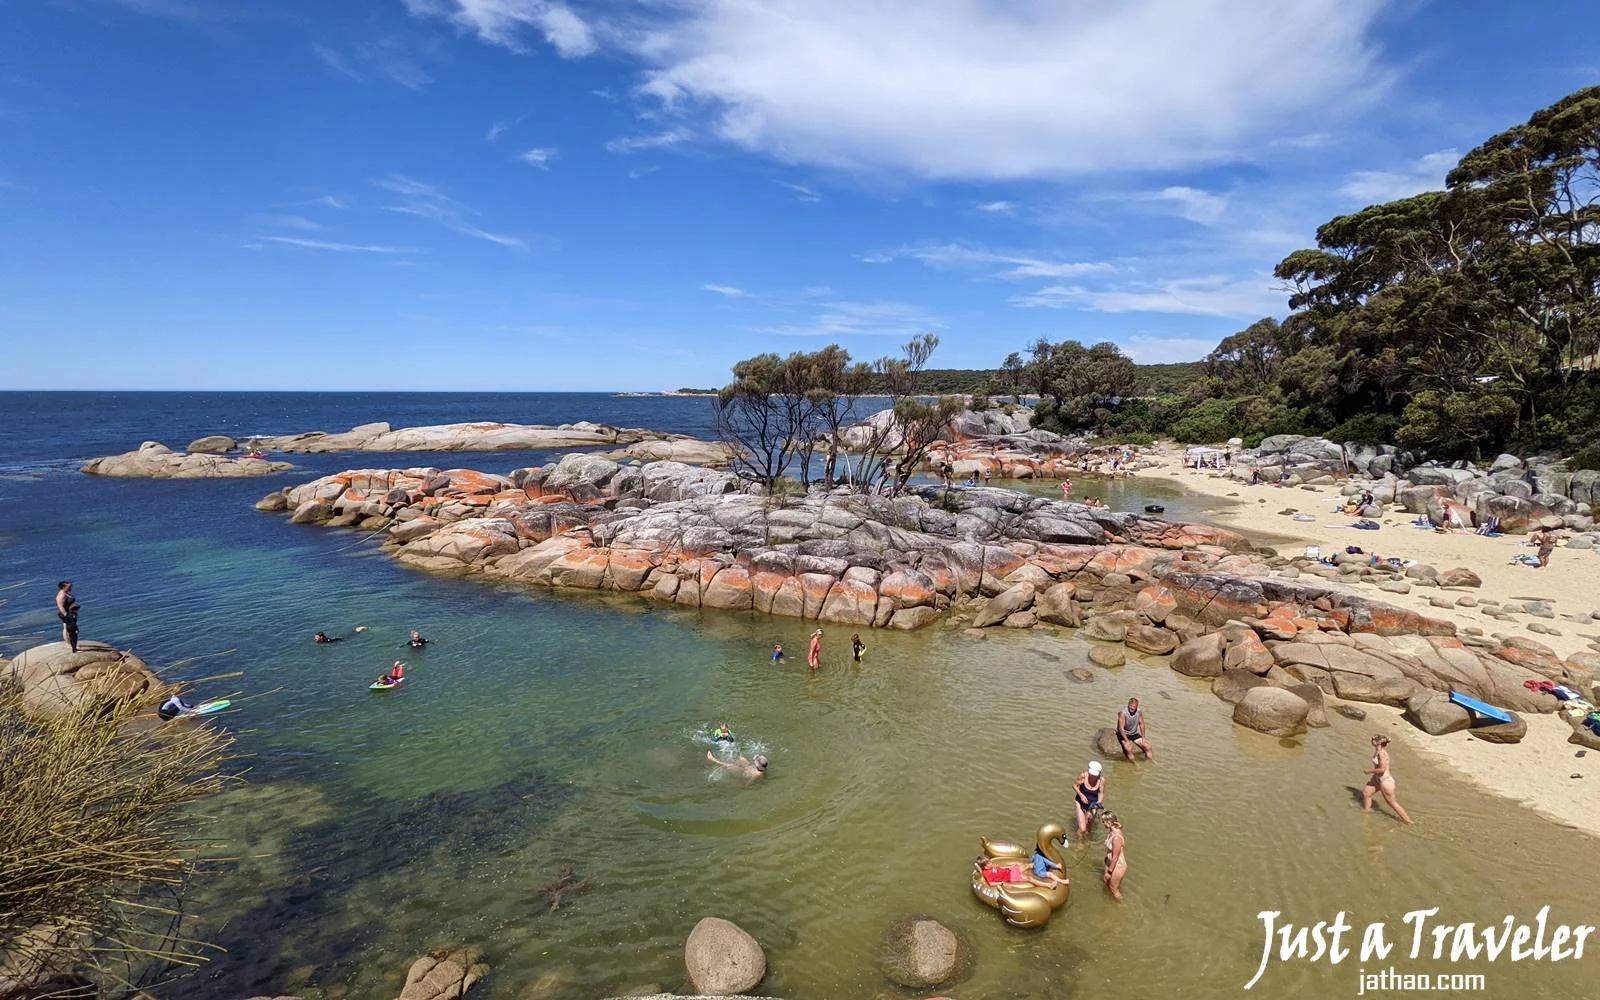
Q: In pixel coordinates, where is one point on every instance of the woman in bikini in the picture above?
(1381, 782)
(1116, 856)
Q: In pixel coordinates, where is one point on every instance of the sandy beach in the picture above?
(1537, 772)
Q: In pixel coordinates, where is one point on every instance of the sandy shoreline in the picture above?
(1536, 772)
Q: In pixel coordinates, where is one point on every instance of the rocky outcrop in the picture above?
(213, 444)
(154, 460)
(444, 975)
(53, 680)
(720, 959)
(1271, 710)
(690, 451)
(920, 952)
(473, 436)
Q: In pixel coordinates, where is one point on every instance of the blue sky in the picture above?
(633, 194)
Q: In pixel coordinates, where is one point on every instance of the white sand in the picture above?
(1536, 772)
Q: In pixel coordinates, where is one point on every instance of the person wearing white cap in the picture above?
(1087, 793)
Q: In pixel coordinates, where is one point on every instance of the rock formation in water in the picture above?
(484, 436)
(53, 680)
(973, 558)
(154, 460)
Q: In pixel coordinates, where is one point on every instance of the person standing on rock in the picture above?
(1087, 792)
(1116, 856)
(814, 653)
(1381, 782)
(67, 610)
(1131, 732)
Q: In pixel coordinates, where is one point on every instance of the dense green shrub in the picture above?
(1587, 457)
(1209, 421)
(1378, 427)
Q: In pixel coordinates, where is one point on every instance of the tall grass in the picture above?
(96, 846)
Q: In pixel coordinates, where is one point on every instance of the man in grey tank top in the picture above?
(1131, 731)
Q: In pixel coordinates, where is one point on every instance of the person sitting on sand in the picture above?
(174, 707)
(1116, 856)
(1381, 781)
(396, 674)
(751, 769)
(416, 641)
(1130, 731)
(322, 637)
(1087, 793)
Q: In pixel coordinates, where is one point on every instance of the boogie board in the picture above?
(1472, 704)
(381, 686)
(209, 707)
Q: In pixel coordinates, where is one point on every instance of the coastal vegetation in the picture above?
(1458, 323)
(96, 844)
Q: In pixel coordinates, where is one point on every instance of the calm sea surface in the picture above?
(539, 732)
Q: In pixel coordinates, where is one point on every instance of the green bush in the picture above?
(1208, 421)
(980, 402)
(1254, 440)
(1587, 457)
(1139, 438)
(1379, 427)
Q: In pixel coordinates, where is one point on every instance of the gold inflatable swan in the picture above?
(1025, 903)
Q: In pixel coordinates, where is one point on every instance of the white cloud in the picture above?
(296, 241)
(1004, 88)
(657, 140)
(638, 172)
(385, 59)
(1424, 174)
(728, 290)
(501, 22)
(299, 222)
(998, 207)
(1234, 298)
(495, 130)
(861, 319)
(321, 201)
(427, 202)
(801, 192)
(1192, 203)
(1012, 266)
(538, 157)
(1149, 349)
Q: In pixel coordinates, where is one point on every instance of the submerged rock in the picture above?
(444, 975)
(720, 959)
(919, 952)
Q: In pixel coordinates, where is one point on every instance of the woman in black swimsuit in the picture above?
(1087, 792)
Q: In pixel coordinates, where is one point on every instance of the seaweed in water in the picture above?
(568, 883)
(303, 925)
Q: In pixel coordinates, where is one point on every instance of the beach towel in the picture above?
(997, 874)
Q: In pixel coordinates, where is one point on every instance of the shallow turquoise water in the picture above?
(541, 730)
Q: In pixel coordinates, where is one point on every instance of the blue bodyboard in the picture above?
(1472, 704)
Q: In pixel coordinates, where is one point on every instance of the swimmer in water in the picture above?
(857, 647)
(814, 654)
(322, 637)
(751, 769)
(723, 733)
(416, 641)
(174, 707)
(777, 652)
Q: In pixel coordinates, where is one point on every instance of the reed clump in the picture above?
(97, 844)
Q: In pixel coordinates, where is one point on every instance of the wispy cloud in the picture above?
(1233, 298)
(496, 130)
(656, 140)
(321, 201)
(1013, 266)
(539, 157)
(388, 58)
(308, 244)
(1423, 174)
(1152, 349)
(861, 319)
(801, 192)
(998, 207)
(427, 202)
(637, 172)
(730, 291)
(298, 222)
(502, 22)
(1191, 203)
